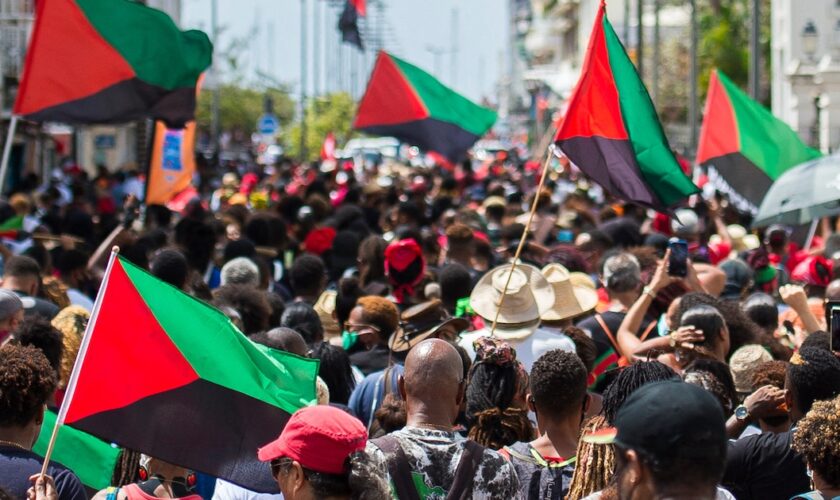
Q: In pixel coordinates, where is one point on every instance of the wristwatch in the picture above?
(742, 413)
(648, 290)
(673, 340)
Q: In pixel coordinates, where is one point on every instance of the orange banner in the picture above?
(173, 163)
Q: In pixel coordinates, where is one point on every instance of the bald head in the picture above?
(282, 339)
(433, 370)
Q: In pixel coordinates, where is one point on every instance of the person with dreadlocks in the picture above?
(817, 439)
(496, 390)
(596, 460)
(629, 380)
(558, 398)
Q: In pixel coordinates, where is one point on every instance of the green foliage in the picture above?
(724, 42)
(240, 107)
(329, 113)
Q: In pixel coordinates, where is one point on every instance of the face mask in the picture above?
(348, 339)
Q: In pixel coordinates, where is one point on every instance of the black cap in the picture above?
(665, 420)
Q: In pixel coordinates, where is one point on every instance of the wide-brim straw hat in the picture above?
(569, 300)
(528, 297)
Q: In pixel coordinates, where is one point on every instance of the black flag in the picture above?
(348, 23)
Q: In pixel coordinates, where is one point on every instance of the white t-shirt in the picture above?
(528, 349)
(722, 494)
(229, 491)
(77, 298)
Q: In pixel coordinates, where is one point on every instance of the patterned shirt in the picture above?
(541, 478)
(433, 457)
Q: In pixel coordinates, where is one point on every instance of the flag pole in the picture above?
(543, 175)
(7, 151)
(80, 358)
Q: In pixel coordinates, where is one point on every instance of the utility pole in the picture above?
(453, 50)
(217, 83)
(271, 61)
(640, 39)
(755, 49)
(692, 75)
(436, 53)
(316, 49)
(626, 28)
(303, 70)
(657, 4)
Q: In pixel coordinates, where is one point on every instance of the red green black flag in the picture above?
(611, 130)
(348, 23)
(744, 147)
(168, 375)
(405, 102)
(109, 61)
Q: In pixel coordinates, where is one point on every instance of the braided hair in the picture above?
(492, 418)
(631, 379)
(127, 468)
(595, 462)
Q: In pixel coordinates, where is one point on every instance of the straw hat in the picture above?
(422, 321)
(529, 296)
(743, 363)
(570, 300)
(325, 306)
(582, 280)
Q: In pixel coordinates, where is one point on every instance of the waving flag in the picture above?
(611, 130)
(744, 146)
(90, 458)
(108, 61)
(348, 23)
(405, 102)
(168, 375)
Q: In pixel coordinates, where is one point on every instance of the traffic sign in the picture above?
(268, 124)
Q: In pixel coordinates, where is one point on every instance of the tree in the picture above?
(329, 113)
(240, 107)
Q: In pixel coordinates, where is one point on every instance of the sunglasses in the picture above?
(360, 327)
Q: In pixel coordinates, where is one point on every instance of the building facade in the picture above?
(806, 68)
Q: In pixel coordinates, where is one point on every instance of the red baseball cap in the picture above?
(319, 438)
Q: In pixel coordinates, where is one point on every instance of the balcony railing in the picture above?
(16, 10)
(13, 40)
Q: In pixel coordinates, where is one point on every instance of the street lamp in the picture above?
(809, 40)
(837, 35)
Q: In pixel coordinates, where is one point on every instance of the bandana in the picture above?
(494, 351)
(319, 240)
(463, 308)
(815, 271)
(398, 256)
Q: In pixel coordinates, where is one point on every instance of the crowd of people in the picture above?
(588, 368)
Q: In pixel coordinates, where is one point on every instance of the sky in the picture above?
(415, 30)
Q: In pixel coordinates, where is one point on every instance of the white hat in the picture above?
(528, 297)
(570, 300)
(686, 223)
